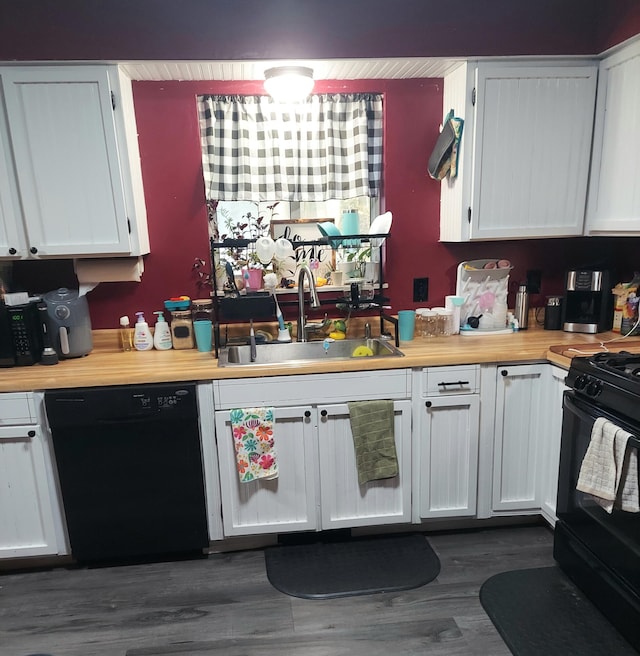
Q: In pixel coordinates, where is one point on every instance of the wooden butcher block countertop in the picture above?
(107, 365)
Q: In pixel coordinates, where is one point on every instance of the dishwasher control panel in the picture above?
(82, 406)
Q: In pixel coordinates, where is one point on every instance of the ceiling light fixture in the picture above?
(288, 83)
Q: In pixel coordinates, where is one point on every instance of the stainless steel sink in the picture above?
(277, 353)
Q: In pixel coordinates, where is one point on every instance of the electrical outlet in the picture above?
(420, 289)
(534, 281)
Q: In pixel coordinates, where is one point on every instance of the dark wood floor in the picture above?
(224, 605)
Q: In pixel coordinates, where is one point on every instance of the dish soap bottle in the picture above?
(142, 339)
(162, 333)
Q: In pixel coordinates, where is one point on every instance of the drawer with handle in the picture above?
(17, 408)
(440, 381)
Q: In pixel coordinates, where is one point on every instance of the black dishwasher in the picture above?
(130, 470)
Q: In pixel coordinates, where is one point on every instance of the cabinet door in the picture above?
(12, 239)
(527, 141)
(287, 503)
(346, 503)
(550, 442)
(62, 124)
(518, 428)
(448, 468)
(26, 513)
(533, 142)
(614, 190)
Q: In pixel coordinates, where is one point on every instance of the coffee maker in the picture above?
(588, 302)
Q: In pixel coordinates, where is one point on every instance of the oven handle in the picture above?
(574, 406)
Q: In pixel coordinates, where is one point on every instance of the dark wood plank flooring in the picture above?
(224, 605)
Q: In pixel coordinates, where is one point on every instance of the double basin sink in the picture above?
(284, 353)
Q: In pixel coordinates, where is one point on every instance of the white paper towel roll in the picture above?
(92, 272)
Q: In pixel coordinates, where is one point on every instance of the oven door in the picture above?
(613, 539)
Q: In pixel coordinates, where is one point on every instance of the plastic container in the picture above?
(142, 338)
(429, 323)
(182, 329)
(445, 322)
(162, 334)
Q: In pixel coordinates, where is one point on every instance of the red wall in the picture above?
(617, 23)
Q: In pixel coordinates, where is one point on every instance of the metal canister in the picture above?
(521, 311)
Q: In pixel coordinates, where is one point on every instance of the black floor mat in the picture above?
(357, 566)
(540, 611)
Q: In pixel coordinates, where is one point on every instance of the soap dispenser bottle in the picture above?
(142, 338)
(162, 333)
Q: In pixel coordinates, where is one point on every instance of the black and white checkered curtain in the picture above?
(258, 150)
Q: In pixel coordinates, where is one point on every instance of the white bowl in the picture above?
(265, 249)
(283, 248)
(381, 225)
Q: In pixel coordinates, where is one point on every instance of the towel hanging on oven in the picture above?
(607, 466)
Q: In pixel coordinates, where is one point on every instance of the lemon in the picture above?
(337, 335)
(361, 352)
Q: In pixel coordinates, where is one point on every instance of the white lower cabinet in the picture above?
(345, 503)
(287, 503)
(550, 443)
(317, 486)
(30, 515)
(512, 433)
(446, 427)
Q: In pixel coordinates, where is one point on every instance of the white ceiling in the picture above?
(325, 69)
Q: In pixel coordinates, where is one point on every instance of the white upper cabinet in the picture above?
(70, 155)
(525, 149)
(614, 191)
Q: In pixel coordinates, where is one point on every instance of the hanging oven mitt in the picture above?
(444, 158)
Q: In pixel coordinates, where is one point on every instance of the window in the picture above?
(263, 160)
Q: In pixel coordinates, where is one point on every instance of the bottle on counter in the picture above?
(162, 334)
(142, 338)
(126, 334)
(521, 311)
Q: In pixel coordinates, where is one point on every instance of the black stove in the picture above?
(609, 380)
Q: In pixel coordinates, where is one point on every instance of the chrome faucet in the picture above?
(303, 327)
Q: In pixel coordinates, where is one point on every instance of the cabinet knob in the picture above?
(324, 413)
(307, 413)
(504, 372)
(33, 250)
(427, 404)
(31, 433)
(12, 251)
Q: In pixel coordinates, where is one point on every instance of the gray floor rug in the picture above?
(356, 566)
(540, 611)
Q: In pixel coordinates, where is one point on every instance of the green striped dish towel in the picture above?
(373, 439)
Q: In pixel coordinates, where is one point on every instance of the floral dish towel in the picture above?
(254, 445)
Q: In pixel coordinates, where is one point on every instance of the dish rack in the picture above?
(485, 293)
(260, 305)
